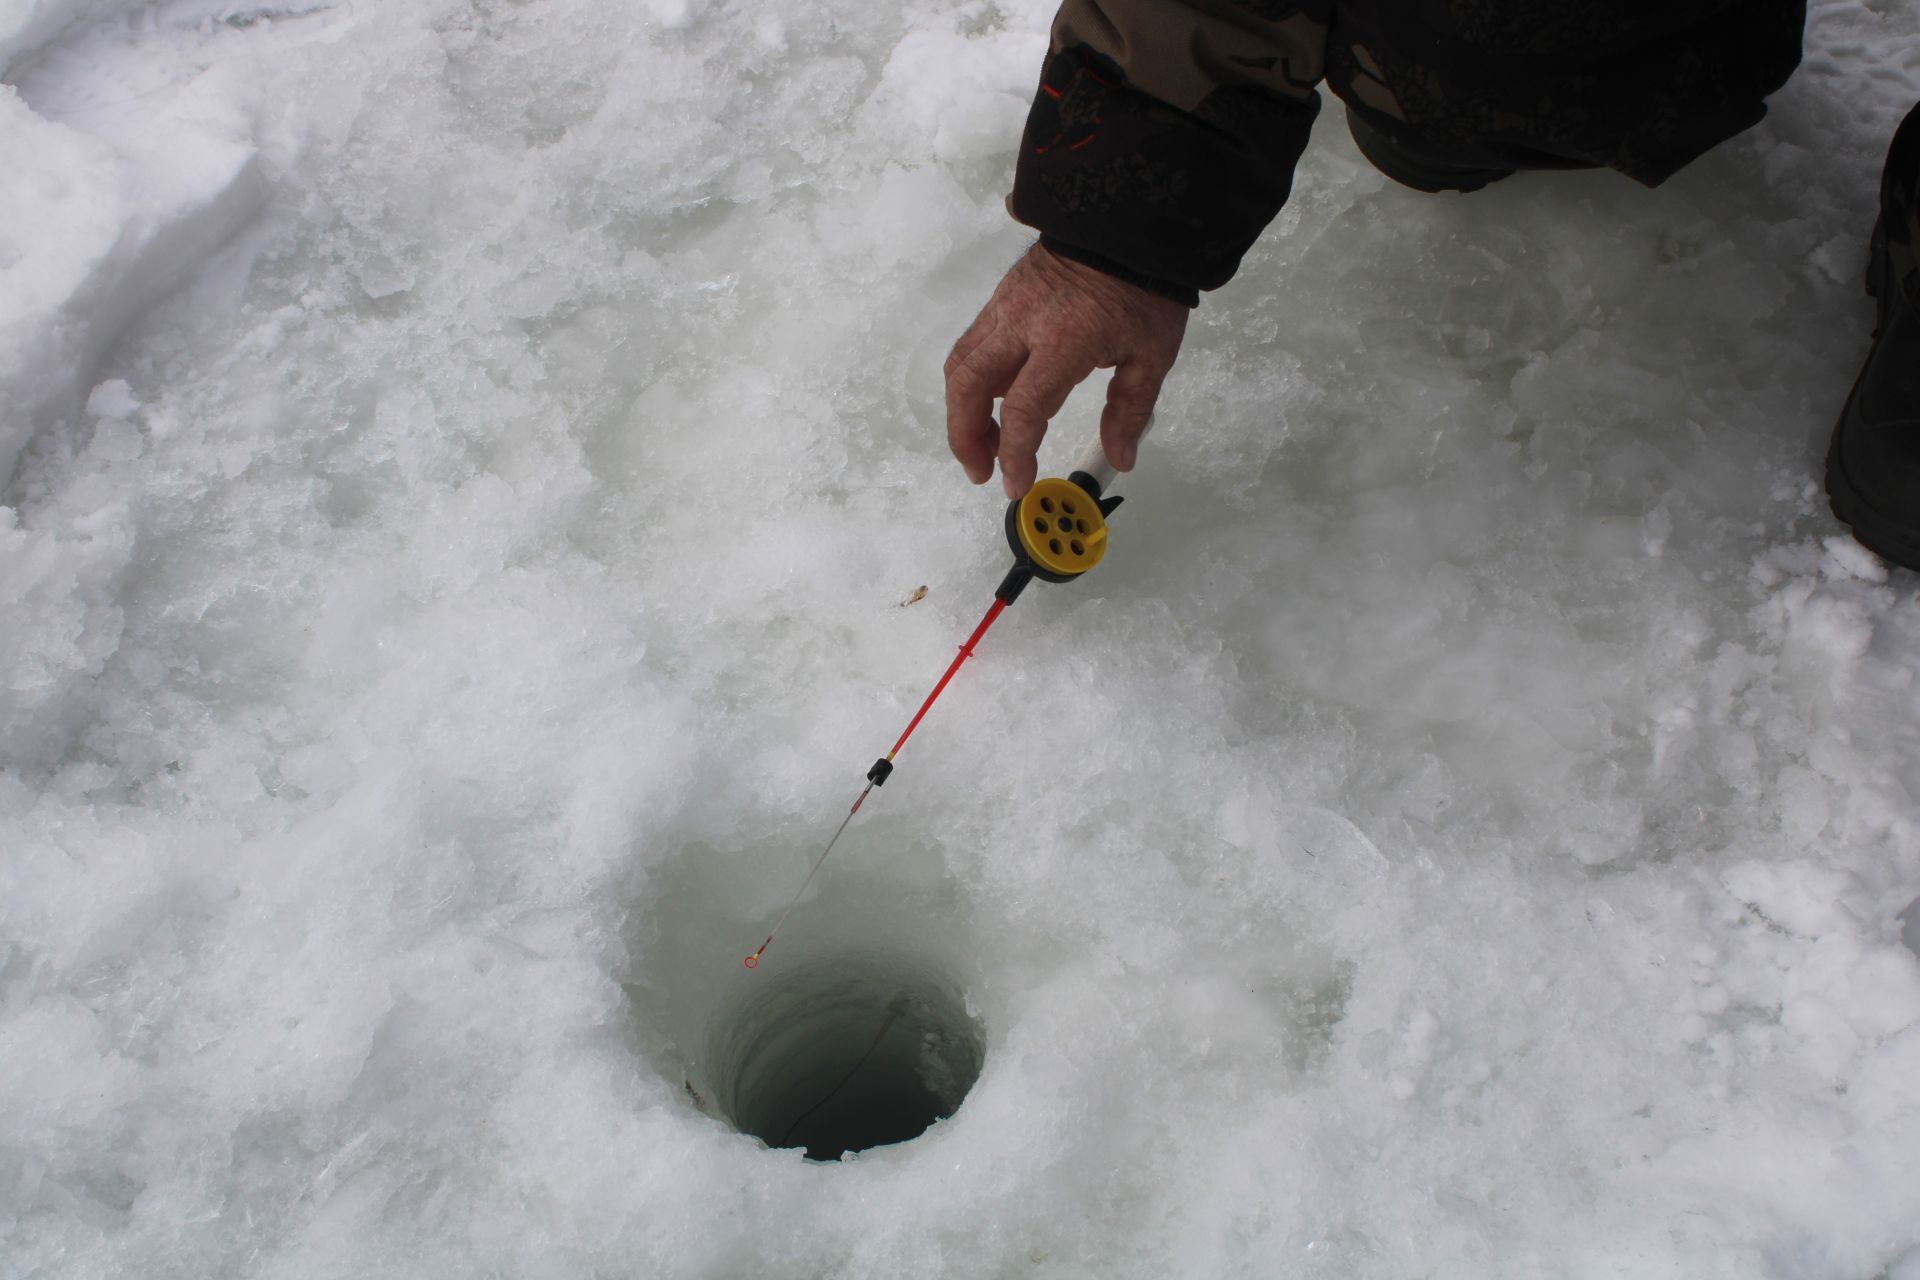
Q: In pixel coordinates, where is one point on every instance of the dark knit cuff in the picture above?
(1166, 199)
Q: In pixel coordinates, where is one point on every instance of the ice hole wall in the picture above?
(857, 1029)
(845, 1053)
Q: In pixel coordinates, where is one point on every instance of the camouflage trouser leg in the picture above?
(1900, 204)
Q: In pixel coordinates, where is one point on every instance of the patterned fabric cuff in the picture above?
(1167, 199)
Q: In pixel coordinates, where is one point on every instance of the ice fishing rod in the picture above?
(1058, 531)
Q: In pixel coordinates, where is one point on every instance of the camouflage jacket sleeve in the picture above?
(1165, 132)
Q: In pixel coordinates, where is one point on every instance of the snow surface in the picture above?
(465, 459)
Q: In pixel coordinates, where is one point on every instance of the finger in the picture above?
(979, 331)
(1130, 400)
(987, 370)
(1030, 403)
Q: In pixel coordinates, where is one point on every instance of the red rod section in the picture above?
(966, 651)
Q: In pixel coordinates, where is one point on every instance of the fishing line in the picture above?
(1057, 532)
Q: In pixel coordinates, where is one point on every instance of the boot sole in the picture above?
(1892, 545)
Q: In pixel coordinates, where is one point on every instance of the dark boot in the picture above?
(1873, 464)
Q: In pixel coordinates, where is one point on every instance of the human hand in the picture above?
(1049, 324)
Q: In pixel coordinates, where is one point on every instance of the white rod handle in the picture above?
(1094, 460)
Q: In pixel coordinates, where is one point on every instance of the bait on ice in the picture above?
(1057, 532)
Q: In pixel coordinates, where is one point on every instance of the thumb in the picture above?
(1130, 399)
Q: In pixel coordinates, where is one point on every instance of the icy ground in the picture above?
(464, 462)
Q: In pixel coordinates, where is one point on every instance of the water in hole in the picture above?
(847, 1053)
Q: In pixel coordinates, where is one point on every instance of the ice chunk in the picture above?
(107, 209)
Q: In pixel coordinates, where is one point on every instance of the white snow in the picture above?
(464, 462)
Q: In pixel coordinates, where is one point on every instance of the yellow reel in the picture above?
(1061, 528)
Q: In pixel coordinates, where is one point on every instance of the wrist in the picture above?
(1182, 294)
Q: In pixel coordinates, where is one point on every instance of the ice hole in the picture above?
(846, 1053)
(872, 981)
